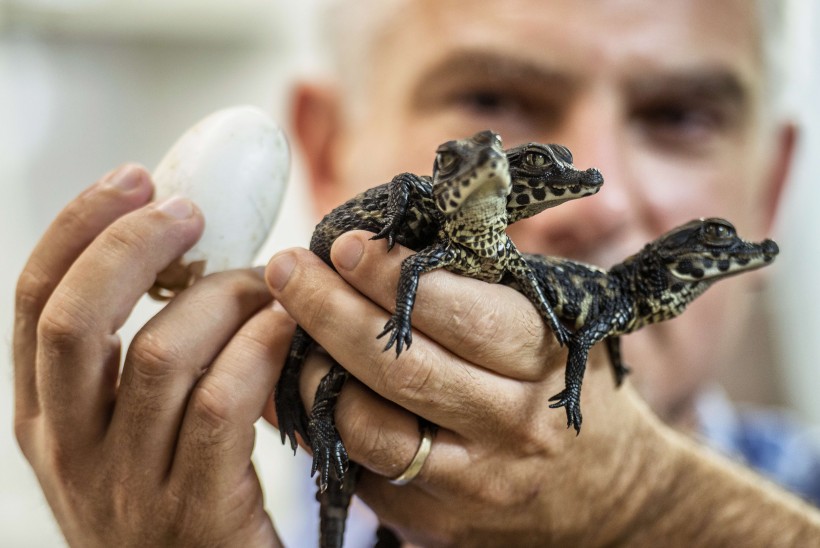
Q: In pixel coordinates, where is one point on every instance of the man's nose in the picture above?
(595, 133)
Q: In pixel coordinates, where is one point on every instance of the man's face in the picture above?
(664, 98)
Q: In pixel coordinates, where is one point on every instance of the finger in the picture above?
(486, 324)
(169, 355)
(217, 435)
(116, 194)
(77, 344)
(377, 433)
(428, 380)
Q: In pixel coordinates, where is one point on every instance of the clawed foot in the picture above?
(562, 334)
(620, 374)
(388, 232)
(328, 450)
(571, 400)
(400, 334)
(291, 414)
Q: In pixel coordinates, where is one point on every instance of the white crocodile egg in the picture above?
(234, 166)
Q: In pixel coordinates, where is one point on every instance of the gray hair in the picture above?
(348, 29)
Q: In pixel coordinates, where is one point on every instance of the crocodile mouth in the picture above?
(576, 183)
(719, 264)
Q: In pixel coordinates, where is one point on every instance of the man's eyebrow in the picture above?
(495, 67)
(714, 85)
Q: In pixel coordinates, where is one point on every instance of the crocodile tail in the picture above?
(333, 505)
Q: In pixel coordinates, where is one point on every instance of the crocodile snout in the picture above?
(594, 176)
(770, 248)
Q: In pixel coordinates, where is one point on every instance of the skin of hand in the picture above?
(501, 456)
(159, 454)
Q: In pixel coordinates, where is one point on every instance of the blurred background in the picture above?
(86, 85)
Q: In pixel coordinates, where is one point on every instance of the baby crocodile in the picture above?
(471, 182)
(655, 284)
(406, 211)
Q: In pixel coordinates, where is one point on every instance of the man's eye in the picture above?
(486, 102)
(680, 125)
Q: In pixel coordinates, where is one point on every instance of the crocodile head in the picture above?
(543, 176)
(707, 250)
(470, 168)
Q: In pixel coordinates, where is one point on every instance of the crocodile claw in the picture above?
(328, 451)
(388, 232)
(562, 334)
(569, 399)
(400, 333)
(291, 414)
(621, 371)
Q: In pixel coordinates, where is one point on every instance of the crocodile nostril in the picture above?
(595, 176)
(770, 247)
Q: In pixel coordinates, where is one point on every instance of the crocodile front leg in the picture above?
(398, 197)
(570, 396)
(579, 345)
(289, 407)
(325, 441)
(398, 326)
(527, 283)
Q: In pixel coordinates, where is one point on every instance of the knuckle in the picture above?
(121, 241)
(235, 289)
(33, 288)
(532, 441)
(369, 441)
(64, 324)
(154, 358)
(410, 378)
(212, 406)
(323, 307)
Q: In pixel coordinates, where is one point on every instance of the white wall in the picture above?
(73, 105)
(796, 288)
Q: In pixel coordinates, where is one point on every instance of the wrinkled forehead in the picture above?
(624, 36)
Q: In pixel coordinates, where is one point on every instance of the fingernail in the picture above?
(177, 207)
(127, 177)
(280, 269)
(348, 252)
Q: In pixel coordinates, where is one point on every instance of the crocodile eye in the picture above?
(535, 159)
(446, 161)
(719, 231)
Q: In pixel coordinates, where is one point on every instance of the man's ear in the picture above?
(316, 125)
(785, 142)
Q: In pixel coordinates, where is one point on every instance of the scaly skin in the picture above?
(405, 211)
(655, 284)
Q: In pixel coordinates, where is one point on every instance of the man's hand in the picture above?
(161, 453)
(483, 366)
(504, 469)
